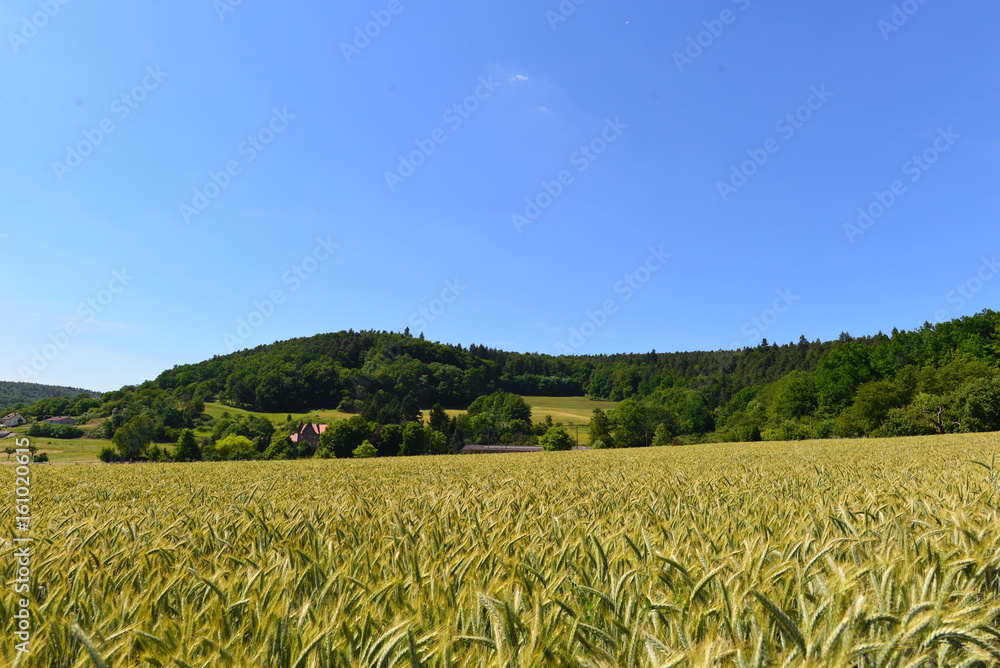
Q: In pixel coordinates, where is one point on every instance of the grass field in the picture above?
(573, 412)
(818, 553)
(216, 410)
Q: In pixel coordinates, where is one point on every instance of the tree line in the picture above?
(934, 379)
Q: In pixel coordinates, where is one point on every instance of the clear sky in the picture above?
(184, 179)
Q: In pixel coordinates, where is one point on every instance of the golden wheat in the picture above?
(832, 553)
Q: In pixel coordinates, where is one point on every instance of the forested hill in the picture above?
(329, 370)
(13, 393)
(936, 379)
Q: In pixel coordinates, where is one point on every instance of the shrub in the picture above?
(108, 455)
(556, 438)
(366, 449)
(46, 430)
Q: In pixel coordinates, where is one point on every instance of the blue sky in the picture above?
(183, 179)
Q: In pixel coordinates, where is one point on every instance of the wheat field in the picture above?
(818, 553)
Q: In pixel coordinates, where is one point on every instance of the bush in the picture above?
(235, 447)
(826, 429)
(556, 438)
(108, 455)
(46, 430)
(41, 458)
(366, 449)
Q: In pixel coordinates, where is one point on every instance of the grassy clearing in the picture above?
(818, 553)
(574, 412)
(216, 410)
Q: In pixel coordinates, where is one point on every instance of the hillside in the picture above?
(13, 393)
(933, 380)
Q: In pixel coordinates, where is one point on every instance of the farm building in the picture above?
(472, 449)
(62, 419)
(12, 420)
(309, 434)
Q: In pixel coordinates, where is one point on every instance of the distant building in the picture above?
(309, 434)
(12, 420)
(62, 419)
(471, 449)
(500, 448)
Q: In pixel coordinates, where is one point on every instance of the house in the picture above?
(62, 419)
(12, 420)
(309, 434)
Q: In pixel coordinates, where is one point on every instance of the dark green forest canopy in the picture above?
(14, 394)
(930, 380)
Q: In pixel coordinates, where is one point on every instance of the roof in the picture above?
(502, 448)
(318, 428)
(10, 415)
(510, 448)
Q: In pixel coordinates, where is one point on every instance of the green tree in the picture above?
(600, 428)
(281, 448)
(341, 438)
(979, 404)
(556, 438)
(871, 406)
(387, 439)
(132, 438)
(366, 449)
(187, 449)
(501, 417)
(415, 440)
(662, 435)
(257, 428)
(438, 419)
(796, 396)
(235, 447)
(631, 428)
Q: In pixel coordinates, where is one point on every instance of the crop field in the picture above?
(817, 553)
